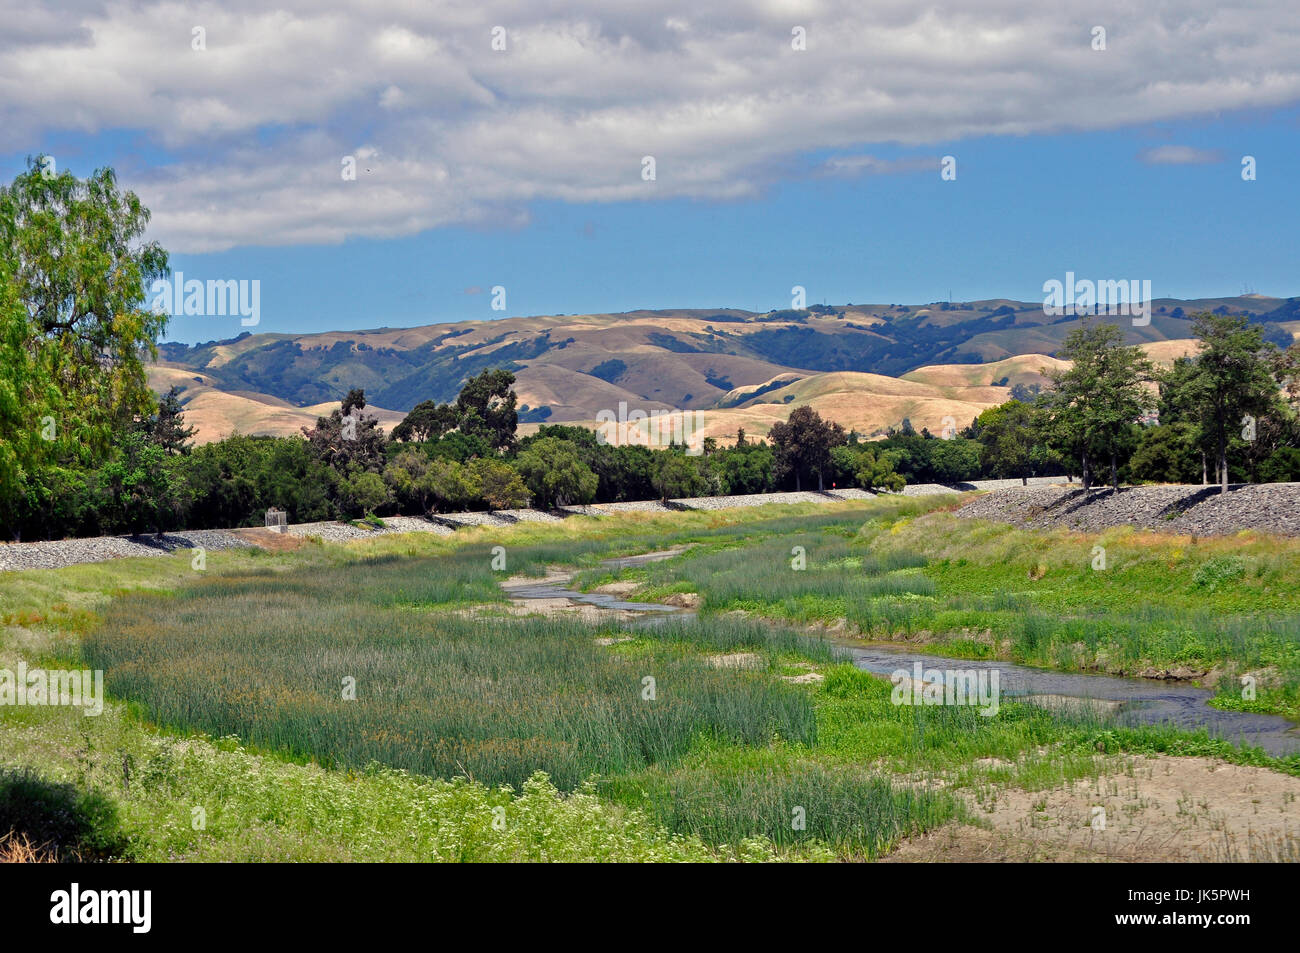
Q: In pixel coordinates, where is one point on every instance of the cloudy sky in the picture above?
(792, 143)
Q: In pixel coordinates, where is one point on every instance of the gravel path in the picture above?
(1193, 509)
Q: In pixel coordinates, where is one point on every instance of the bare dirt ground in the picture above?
(270, 540)
(620, 589)
(735, 660)
(1156, 809)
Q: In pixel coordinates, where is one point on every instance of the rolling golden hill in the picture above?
(930, 397)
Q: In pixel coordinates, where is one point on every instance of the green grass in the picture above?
(269, 658)
(1219, 608)
(195, 799)
(232, 680)
(860, 812)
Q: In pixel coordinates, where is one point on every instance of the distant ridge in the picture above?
(738, 365)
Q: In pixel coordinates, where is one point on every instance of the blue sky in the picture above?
(735, 218)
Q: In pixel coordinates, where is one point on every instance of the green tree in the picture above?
(555, 474)
(485, 409)
(803, 445)
(427, 420)
(1167, 454)
(745, 468)
(1011, 443)
(1233, 380)
(954, 460)
(354, 400)
(676, 475)
(73, 331)
(167, 426)
(486, 406)
(81, 269)
(1178, 408)
(500, 484)
(868, 468)
(29, 402)
(347, 438)
(410, 480)
(138, 484)
(1092, 408)
(454, 485)
(361, 492)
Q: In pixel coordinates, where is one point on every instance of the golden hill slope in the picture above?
(651, 379)
(216, 414)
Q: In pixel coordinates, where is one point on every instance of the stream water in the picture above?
(1139, 700)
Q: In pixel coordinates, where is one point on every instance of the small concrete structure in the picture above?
(277, 520)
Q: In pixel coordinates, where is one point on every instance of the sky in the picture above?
(506, 145)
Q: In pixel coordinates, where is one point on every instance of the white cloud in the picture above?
(855, 165)
(255, 126)
(1179, 155)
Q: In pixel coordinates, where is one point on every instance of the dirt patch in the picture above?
(553, 576)
(554, 608)
(810, 675)
(840, 628)
(683, 600)
(1179, 673)
(619, 589)
(736, 660)
(270, 540)
(1164, 809)
(806, 678)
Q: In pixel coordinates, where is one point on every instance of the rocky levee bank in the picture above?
(68, 552)
(1046, 501)
(1194, 510)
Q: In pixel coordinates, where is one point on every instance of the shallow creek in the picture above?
(1133, 700)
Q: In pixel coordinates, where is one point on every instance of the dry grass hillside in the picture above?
(216, 414)
(868, 403)
(739, 368)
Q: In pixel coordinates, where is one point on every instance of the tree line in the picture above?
(86, 448)
(1224, 414)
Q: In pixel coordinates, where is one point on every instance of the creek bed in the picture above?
(1135, 700)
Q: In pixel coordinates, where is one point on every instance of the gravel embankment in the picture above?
(756, 499)
(718, 502)
(67, 552)
(631, 506)
(852, 494)
(58, 553)
(529, 516)
(465, 520)
(929, 489)
(334, 532)
(1196, 510)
